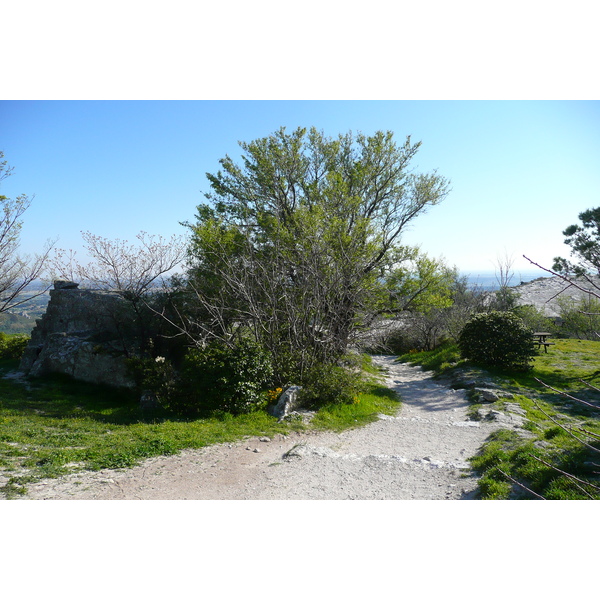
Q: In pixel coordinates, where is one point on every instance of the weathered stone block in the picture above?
(61, 284)
(83, 333)
(288, 402)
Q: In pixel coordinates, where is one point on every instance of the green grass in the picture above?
(376, 400)
(54, 426)
(507, 458)
(564, 365)
(443, 358)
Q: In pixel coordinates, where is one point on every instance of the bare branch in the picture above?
(566, 429)
(590, 433)
(17, 272)
(589, 385)
(521, 485)
(569, 476)
(564, 278)
(567, 395)
(117, 265)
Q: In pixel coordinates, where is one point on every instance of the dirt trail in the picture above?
(421, 453)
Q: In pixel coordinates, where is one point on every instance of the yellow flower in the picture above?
(274, 394)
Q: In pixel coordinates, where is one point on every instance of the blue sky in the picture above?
(521, 171)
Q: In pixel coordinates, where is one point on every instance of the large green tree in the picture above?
(295, 241)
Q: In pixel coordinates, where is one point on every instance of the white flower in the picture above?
(160, 359)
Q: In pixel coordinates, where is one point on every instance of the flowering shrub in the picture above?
(220, 378)
(155, 375)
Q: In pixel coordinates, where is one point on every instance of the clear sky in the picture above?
(520, 171)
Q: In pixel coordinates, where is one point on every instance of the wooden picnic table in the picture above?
(540, 337)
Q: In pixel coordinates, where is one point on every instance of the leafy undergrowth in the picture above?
(557, 457)
(55, 426)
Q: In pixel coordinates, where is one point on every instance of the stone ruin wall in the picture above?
(83, 333)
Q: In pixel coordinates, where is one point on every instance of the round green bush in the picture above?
(223, 379)
(497, 339)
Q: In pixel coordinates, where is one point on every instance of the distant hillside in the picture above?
(490, 280)
(543, 293)
(22, 318)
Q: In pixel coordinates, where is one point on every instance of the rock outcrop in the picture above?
(287, 402)
(84, 333)
(545, 293)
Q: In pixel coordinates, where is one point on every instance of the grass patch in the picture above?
(54, 426)
(375, 401)
(442, 359)
(568, 362)
(561, 470)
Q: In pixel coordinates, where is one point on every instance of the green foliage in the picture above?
(504, 299)
(12, 346)
(436, 304)
(373, 401)
(228, 379)
(467, 301)
(331, 385)
(566, 366)
(547, 471)
(214, 378)
(534, 318)
(499, 339)
(584, 241)
(155, 375)
(420, 291)
(580, 319)
(444, 357)
(417, 282)
(569, 366)
(398, 340)
(493, 489)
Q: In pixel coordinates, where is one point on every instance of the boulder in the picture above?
(81, 358)
(515, 408)
(489, 394)
(506, 419)
(288, 401)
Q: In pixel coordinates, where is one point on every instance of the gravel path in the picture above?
(421, 453)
